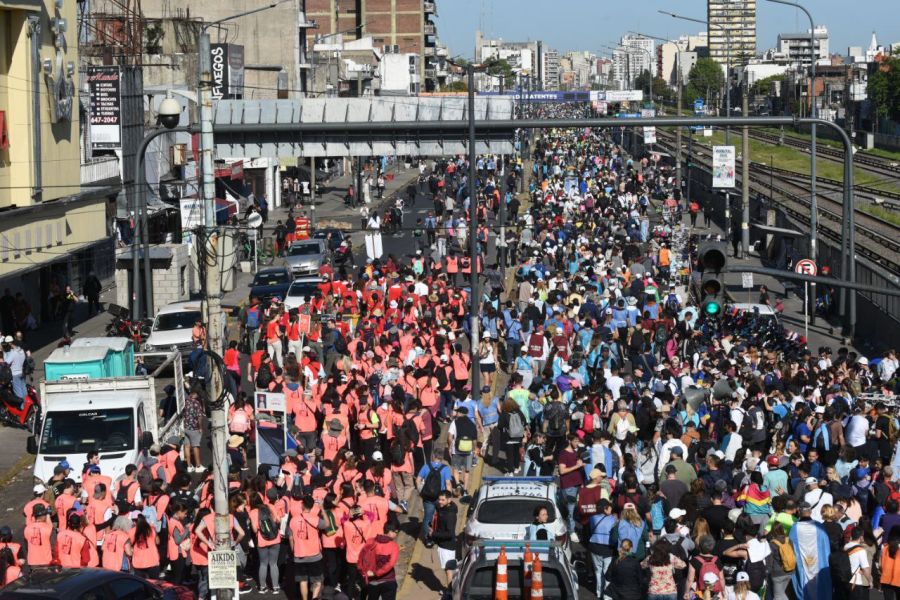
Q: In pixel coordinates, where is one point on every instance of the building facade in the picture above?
(794, 48)
(731, 31)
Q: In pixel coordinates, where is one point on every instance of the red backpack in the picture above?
(709, 566)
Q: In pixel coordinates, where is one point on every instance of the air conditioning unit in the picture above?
(396, 48)
(386, 48)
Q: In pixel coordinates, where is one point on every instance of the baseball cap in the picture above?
(596, 473)
(710, 578)
(65, 464)
(40, 488)
(742, 576)
(812, 481)
(39, 510)
(677, 513)
(377, 456)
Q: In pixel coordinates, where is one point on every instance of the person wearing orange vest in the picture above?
(179, 541)
(64, 502)
(356, 529)
(306, 548)
(267, 546)
(376, 508)
(73, 549)
(117, 546)
(145, 558)
(39, 491)
(293, 335)
(38, 538)
(273, 341)
(9, 567)
(367, 425)
(99, 509)
(664, 260)
(204, 540)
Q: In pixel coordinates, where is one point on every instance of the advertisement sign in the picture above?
(623, 95)
(104, 86)
(227, 71)
(723, 166)
(271, 401)
(649, 135)
(222, 569)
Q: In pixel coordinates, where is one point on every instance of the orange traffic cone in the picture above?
(537, 580)
(526, 572)
(501, 590)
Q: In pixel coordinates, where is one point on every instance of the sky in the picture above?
(590, 24)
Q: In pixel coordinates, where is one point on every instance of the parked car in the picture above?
(476, 573)
(172, 328)
(55, 583)
(269, 283)
(305, 287)
(306, 257)
(503, 508)
(762, 311)
(333, 236)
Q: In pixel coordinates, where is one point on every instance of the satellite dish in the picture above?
(254, 220)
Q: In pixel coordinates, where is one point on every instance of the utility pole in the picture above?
(473, 241)
(501, 241)
(745, 175)
(215, 327)
(678, 129)
(312, 192)
(359, 159)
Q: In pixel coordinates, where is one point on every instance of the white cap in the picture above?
(742, 576)
(40, 488)
(710, 578)
(862, 360)
(566, 368)
(8, 339)
(377, 456)
(677, 513)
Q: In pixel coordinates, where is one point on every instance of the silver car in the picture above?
(304, 257)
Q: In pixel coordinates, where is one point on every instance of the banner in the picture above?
(623, 95)
(227, 71)
(723, 166)
(104, 86)
(649, 135)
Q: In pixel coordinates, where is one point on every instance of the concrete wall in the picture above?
(171, 284)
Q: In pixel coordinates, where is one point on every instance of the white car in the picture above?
(504, 507)
(301, 290)
(764, 311)
(172, 328)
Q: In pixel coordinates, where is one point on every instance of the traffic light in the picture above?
(711, 262)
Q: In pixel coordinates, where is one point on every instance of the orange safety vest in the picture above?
(69, 545)
(452, 264)
(146, 554)
(356, 532)
(304, 414)
(175, 551)
(96, 511)
(378, 507)
(262, 542)
(63, 504)
(37, 538)
(305, 533)
(114, 550)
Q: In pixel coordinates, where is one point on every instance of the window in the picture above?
(130, 589)
(513, 511)
(76, 432)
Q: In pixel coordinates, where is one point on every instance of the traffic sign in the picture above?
(222, 569)
(806, 266)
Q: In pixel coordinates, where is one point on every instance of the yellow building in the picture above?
(52, 232)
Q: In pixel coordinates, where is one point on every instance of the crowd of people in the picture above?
(698, 456)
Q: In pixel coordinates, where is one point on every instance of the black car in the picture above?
(333, 236)
(269, 283)
(84, 584)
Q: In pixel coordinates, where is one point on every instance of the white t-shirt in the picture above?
(857, 427)
(859, 560)
(817, 499)
(730, 595)
(615, 384)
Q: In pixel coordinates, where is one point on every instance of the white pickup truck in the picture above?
(118, 417)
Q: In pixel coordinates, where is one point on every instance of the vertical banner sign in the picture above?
(723, 167)
(219, 53)
(104, 85)
(227, 71)
(649, 132)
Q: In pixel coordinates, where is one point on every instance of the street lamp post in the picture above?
(813, 206)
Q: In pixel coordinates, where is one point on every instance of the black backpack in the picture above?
(398, 456)
(841, 573)
(264, 376)
(431, 487)
(340, 344)
(662, 334)
(556, 421)
(122, 503)
(268, 529)
(409, 429)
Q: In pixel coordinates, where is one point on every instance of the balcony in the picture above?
(430, 8)
(430, 73)
(103, 169)
(429, 28)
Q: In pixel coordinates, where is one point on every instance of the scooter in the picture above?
(27, 415)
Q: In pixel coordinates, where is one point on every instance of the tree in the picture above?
(763, 87)
(499, 67)
(458, 86)
(642, 81)
(705, 80)
(884, 88)
(662, 90)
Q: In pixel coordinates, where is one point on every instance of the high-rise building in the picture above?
(794, 48)
(636, 55)
(731, 31)
(395, 26)
(550, 69)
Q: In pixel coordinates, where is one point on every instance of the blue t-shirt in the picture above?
(490, 414)
(470, 404)
(446, 475)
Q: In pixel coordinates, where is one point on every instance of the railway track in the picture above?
(880, 166)
(877, 238)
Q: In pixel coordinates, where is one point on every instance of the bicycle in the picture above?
(265, 254)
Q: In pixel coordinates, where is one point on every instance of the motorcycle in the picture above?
(123, 326)
(24, 416)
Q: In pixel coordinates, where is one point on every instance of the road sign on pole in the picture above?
(806, 266)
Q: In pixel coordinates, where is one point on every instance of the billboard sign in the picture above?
(227, 71)
(723, 166)
(104, 86)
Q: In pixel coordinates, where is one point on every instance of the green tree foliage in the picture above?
(457, 86)
(500, 67)
(704, 81)
(763, 87)
(884, 88)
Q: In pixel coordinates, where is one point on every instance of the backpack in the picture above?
(556, 422)
(398, 456)
(412, 432)
(662, 334)
(786, 553)
(340, 344)
(264, 376)
(122, 503)
(672, 304)
(253, 317)
(431, 487)
(709, 566)
(841, 573)
(756, 571)
(267, 527)
(516, 429)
